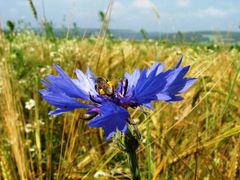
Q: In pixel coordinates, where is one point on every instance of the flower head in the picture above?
(108, 103)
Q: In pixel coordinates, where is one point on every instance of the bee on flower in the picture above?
(107, 103)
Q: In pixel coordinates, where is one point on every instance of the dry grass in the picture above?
(196, 138)
(11, 121)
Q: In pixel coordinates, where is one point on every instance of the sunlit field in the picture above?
(194, 138)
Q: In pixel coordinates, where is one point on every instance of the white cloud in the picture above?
(183, 3)
(211, 12)
(118, 9)
(143, 4)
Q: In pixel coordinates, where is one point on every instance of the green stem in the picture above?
(133, 164)
(132, 144)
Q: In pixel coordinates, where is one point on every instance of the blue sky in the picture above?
(151, 15)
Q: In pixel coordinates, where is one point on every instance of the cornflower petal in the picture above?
(154, 84)
(61, 100)
(181, 86)
(132, 78)
(159, 67)
(61, 92)
(179, 62)
(112, 118)
(149, 105)
(64, 83)
(147, 79)
(91, 76)
(60, 111)
(86, 83)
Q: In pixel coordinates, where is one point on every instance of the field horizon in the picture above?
(200, 36)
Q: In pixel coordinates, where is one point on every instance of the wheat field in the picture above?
(197, 138)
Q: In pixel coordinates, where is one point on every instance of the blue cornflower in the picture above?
(108, 104)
